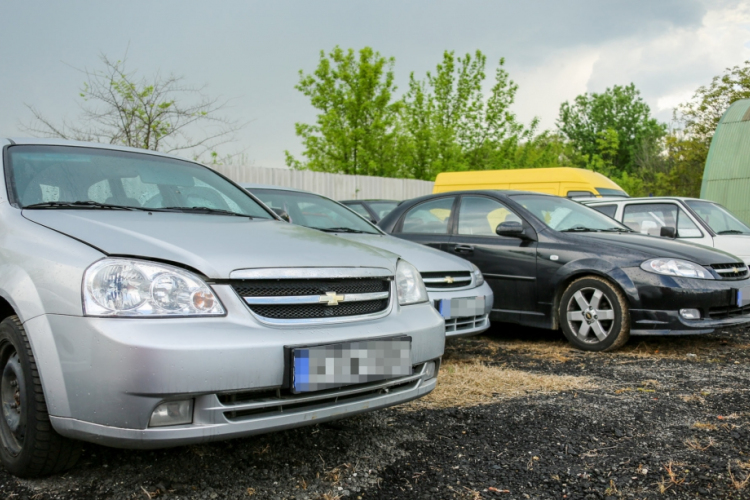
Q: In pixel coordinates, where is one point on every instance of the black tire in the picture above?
(602, 326)
(29, 446)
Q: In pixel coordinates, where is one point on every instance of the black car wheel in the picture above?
(29, 446)
(594, 315)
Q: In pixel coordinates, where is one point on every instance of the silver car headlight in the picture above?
(677, 267)
(128, 287)
(478, 277)
(409, 284)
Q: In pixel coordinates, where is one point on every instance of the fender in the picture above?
(592, 266)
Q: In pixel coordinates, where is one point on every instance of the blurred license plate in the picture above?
(335, 365)
(743, 296)
(460, 307)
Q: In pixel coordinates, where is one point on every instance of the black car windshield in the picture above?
(314, 211)
(64, 177)
(562, 214)
(718, 218)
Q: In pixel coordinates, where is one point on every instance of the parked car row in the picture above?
(147, 301)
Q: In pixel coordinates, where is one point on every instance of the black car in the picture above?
(553, 263)
(372, 210)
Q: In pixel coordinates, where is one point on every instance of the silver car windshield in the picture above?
(314, 211)
(565, 215)
(718, 218)
(65, 177)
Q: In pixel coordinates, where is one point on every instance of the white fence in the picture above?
(336, 186)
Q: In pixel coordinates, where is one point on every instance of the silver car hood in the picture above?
(424, 258)
(737, 244)
(214, 245)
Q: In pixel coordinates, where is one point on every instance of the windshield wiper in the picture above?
(578, 229)
(201, 210)
(731, 231)
(617, 230)
(81, 204)
(341, 230)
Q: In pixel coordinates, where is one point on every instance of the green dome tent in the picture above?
(726, 178)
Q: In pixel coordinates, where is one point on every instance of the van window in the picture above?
(580, 194)
(480, 216)
(608, 210)
(649, 218)
(430, 217)
(612, 192)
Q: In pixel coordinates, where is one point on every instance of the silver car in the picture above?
(147, 301)
(456, 286)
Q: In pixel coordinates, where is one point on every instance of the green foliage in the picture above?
(618, 114)
(450, 124)
(702, 113)
(356, 131)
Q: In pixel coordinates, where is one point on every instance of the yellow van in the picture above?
(560, 181)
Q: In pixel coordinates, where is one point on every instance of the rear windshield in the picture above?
(53, 176)
(382, 208)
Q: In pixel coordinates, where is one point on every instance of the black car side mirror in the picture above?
(668, 232)
(284, 216)
(511, 229)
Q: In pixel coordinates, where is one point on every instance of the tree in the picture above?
(356, 130)
(450, 123)
(149, 113)
(619, 113)
(701, 115)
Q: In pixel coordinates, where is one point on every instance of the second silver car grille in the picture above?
(732, 271)
(299, 300)
(446, 280)
(465, 323)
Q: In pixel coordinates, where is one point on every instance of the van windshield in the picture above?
(65, 177)
(565, 215)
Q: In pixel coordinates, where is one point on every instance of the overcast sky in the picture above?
(251, 52)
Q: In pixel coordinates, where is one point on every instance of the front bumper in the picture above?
(464, 326)
(103, 377)
(662, 297)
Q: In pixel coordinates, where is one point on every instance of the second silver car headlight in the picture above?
(129, 287)
(677, 267)
(478, 277)
(409, 284)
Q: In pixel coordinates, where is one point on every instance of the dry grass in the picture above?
(674, 478)
(696, 444)
(475, 383)
(739, 484)
(557, 351)
(705, 426)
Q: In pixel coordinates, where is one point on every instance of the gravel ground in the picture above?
(666, 418)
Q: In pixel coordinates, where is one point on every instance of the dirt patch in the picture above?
(476, 382)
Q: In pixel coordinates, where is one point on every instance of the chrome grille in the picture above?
(446, 280)
(735, 270)
(314, 300)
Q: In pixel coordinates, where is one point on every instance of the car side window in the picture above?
(480, 216)
(649, 218)
(431, 217)
(580, 194)
(608, 210)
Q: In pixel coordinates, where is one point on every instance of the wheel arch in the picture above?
(598, 268)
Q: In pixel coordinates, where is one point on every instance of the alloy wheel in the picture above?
(590, 315)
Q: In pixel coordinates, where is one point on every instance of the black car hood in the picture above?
(638, 246)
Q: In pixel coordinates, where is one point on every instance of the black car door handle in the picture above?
(463, 249)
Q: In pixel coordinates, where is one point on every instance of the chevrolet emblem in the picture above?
(331, 299)
(449, 279)
(735, 270)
